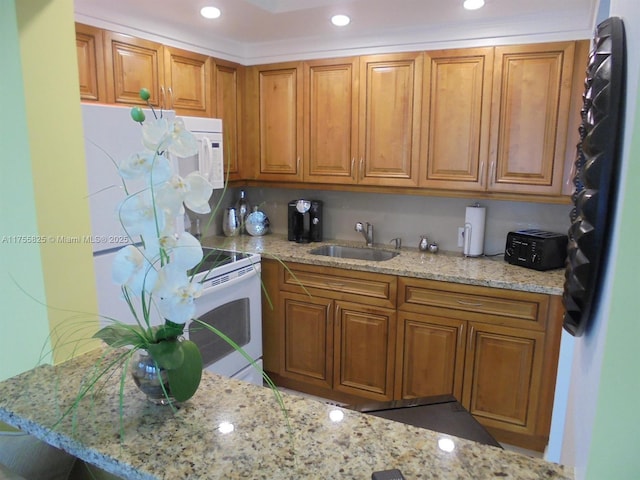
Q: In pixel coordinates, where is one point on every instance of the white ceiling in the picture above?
(255, 31)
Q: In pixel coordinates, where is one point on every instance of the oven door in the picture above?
(232, 305)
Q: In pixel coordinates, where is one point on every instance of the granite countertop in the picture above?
(442, 266)
(234, 430)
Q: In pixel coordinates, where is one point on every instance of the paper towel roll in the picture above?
(474, 230)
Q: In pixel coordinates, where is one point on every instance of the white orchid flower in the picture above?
(139, 217)
(130, 269)
(199, 193)
(175, 293)
(161, 134)
(183, 143)
(187, 252)
(146, 164)
(193, 190)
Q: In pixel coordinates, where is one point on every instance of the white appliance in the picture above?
(110, 135)
(230, 302)
(209, 161)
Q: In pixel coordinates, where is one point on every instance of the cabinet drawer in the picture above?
(362, 287)
(497, 306)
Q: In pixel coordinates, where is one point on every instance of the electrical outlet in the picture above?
(461, 236)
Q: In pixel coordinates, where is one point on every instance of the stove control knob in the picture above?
(509, 252)
(535, 258)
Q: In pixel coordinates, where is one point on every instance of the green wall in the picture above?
(23, 323)
(43, 189)
(614, 449)
(603, 417)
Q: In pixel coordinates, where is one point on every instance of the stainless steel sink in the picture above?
(339, 251)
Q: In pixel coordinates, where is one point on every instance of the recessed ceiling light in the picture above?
(473, 4)
(210, 12)
(340, 20)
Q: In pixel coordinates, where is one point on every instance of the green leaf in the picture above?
(184, 380)
(168, 354)
(120, 335)
(168, 331)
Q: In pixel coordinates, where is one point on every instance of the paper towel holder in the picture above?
(467, 235)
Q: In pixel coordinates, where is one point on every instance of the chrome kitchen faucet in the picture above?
(367, 234)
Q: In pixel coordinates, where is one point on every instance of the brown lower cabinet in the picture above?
(355, 336)
(333, 331)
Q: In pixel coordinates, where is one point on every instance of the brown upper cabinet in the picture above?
(187, 82)
(493, 121)
(455, 121)
(389, 131)
(359, 118)
(90, 53)
(176, 79)
(113, 67)
(497, 118)
(273, 121)
(131, 64)
(331, 120)
(227, 92)
(529, 117)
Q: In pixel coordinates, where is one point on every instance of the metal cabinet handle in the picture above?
(353, 172)
(361, 168)
(461, 336)
(492, 172)
(161, 96)
(297, 165)
(481, 174)
(469, 304)
(170, 92)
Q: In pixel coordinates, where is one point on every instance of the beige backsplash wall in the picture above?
(404, 216)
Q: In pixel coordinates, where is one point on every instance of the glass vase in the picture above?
(150, 379)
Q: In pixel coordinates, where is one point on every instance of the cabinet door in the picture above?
(430, 358)
(227, 92)
(187, 76)
(131, 64)
(532, 95)
(390, 101)
(364, 354)
(307, 339)
(90, 63)
(455, 122)
(503, 372)
(331, 120)
(277, 112)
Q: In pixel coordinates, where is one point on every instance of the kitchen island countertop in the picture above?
(234, 430)
(442, 266)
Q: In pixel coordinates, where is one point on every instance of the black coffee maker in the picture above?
(305, 221)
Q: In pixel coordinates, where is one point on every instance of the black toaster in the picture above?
(536, 249)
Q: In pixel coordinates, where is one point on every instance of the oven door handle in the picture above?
(241, 278)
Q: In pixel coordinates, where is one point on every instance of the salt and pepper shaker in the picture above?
(423, 245)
